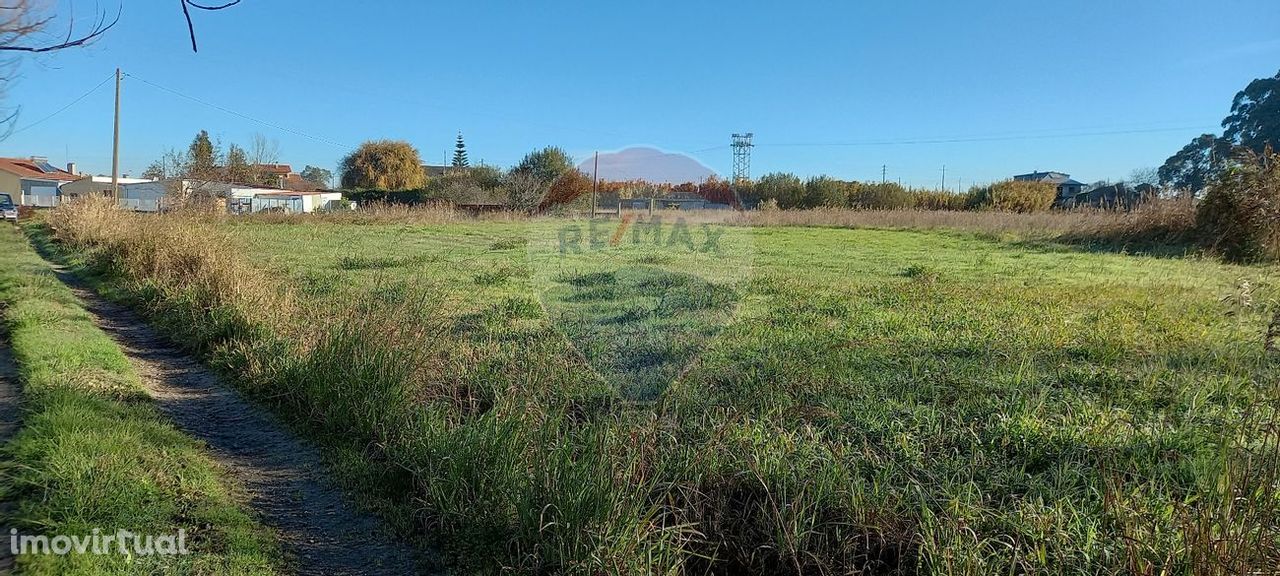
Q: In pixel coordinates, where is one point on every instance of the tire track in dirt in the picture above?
(284, 478)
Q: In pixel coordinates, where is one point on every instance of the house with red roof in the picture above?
(33, 181)
(284, 178)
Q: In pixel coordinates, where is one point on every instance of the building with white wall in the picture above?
(33, 181)
(157, 196)
(89, 186)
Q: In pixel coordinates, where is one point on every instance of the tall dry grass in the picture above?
(176, 258)
(1038, 224)
(387, 213)
(1169, 222)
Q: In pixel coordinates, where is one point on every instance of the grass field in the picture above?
(95, 454)
(808, 400)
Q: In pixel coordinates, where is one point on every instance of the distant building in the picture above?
(156, 196)
(1115, 196)
(434, 171)
(33, 181)
(288, 202)
(1067, 188)
(88, 186)
(672, 202)
(284, 178)
(276, 170)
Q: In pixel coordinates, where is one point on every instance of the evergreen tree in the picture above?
(202, 158)
(460, 154)
(238, 169)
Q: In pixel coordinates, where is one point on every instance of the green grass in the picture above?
(94, 452)
(812, 400)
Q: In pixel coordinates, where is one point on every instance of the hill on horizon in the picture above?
(649, 164)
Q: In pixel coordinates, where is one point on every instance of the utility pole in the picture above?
(595, 183)
(884, 168)
(115, 145)
(944, 176)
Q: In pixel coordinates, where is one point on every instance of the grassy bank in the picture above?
(851, 401)
(94, 453)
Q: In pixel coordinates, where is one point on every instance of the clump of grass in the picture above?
(1042, 225)
(590, 279)
(497, 276)
(367, 262)
(921, 273)
(508, 243)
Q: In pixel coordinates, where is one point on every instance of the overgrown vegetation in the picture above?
(881, 401)
(787, 191)
(1240, 215)
(1253, 125)
(1013, 196)
(95, 454)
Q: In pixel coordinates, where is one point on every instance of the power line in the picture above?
(974, 138)
(241, 114)
(64, 108)
(1027, 135)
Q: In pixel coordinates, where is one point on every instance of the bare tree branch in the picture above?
(186, 13)
(18, 26)
(203, 7)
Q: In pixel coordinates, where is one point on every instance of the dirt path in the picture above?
(284, 477)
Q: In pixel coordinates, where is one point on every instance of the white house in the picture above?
(152, 196)
(94, 186)
(295, 202)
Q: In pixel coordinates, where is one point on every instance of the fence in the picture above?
(40, 200)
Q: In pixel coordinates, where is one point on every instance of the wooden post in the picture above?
(595, 184)
(115, 146)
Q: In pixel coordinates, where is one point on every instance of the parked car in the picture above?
(8, 211)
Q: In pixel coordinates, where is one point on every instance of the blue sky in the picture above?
(1093, 88)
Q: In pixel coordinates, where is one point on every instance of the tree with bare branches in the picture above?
(25, 27)
(28, 27)
(186, 12)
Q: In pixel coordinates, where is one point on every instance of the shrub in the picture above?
(785, 189)
(882, 196)
(1167, 223)
(1239, 217)
(825, 192)
(364, 198)
(568, 187)
(383, 164)
(937, 200)
(1013, 196)
(461, 187)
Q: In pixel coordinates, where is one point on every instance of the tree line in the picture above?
(205, 160)
(1252, 126)
(392, 171)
